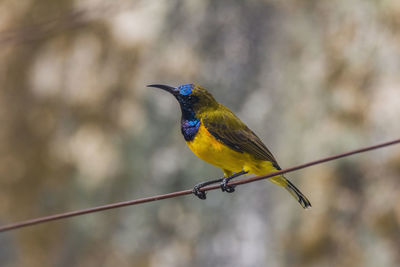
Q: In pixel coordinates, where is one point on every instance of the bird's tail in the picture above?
(282, 181)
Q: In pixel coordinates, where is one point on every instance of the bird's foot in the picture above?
(230, 188)
(225, 187)
(200, 194)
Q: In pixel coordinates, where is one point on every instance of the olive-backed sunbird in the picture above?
(217, 136)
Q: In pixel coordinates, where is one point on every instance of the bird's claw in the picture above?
(227, 188)
(200, 194)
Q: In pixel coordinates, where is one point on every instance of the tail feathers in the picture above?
(304, 202)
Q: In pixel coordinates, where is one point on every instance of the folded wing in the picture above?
(231, 131)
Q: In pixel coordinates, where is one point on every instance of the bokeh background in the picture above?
(78, 128)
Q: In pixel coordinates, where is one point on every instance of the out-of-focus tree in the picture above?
(79, 128)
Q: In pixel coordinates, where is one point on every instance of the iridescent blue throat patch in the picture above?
(189, 128)
(186, 89)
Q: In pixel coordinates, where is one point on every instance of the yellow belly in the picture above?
(209, 149)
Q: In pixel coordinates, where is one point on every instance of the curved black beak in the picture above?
(167, 88)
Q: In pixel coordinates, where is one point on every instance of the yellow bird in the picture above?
(217, 136)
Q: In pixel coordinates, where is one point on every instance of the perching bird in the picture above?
(217, 136)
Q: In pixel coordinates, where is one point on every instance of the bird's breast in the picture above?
(205, 146)
(208, 148)
(204, 143)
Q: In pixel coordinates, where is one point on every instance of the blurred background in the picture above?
(79, 129)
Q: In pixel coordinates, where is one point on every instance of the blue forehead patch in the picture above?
(185, 89)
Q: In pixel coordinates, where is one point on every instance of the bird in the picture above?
(216, 135)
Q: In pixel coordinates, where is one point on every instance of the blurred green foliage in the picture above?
(79, 129)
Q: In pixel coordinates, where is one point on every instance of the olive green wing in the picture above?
(231, 131)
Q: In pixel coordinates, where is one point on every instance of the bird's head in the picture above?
(190, 96)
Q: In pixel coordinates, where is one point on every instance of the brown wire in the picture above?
(184, 192)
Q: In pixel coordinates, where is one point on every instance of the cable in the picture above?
(185, 192)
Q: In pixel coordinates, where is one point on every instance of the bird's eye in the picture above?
(185, 89)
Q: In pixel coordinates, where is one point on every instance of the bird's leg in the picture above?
(224, 185)
(230, 188)
(202, 194)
